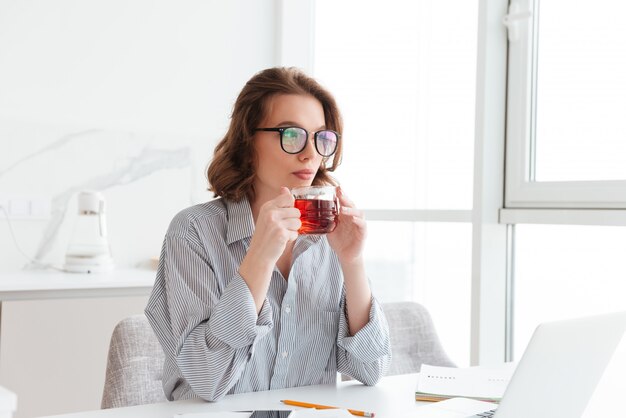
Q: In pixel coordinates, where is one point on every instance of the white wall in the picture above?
(128, 97)
(125, 96)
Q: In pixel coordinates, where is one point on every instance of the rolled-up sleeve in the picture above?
(231, 311)
(208, 332)
(365, 355)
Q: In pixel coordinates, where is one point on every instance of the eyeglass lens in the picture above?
(294, 141)
(326, 142)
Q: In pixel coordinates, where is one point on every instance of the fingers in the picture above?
(292, 224)
(285, 202)
(347, 206)
(286, 226)
(281, 212)
(284, 199)
(287, 236)
(276, 225)
(343, 199)
(359, 222)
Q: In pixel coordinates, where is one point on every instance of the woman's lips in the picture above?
(304, 174)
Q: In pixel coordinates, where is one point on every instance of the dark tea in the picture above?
(317, 215)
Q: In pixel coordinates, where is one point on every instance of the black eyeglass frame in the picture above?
(282, 129)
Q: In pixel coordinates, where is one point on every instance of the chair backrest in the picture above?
(414, 340)
(134, 366)
(135, 363)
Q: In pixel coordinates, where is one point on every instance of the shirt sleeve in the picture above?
(208, 332)
(366, 355)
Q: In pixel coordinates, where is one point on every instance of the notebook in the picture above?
(436, 383)
(556, 375)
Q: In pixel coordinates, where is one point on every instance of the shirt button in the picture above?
(287, 309)
(284, 354)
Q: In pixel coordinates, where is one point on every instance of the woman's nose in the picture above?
(309, 150)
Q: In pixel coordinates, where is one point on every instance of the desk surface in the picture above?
(392, 397)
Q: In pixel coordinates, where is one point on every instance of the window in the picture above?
(400, 79)
(580, 92)
(567, 95)
(412, 261)
(566, 150)
(406, 86)
(566, 271)
(411, 82)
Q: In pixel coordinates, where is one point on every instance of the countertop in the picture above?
(49, 284)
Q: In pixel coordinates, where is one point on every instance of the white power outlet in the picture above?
(25, 207)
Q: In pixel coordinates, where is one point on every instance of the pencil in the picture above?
(316, 406)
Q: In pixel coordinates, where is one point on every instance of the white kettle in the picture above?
(88, 251)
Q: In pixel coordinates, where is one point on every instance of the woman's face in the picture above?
(276, 168)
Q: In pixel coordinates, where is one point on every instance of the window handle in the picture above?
(514, 18)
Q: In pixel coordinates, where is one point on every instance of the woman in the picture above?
(243, 303)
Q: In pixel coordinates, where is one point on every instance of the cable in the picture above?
(32, 260)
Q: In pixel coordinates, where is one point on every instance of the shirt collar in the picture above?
(240, 223)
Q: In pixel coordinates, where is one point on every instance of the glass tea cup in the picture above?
(319, 208)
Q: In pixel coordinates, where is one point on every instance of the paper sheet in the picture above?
(471, 382)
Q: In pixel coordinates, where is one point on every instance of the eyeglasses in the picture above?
(293, 140)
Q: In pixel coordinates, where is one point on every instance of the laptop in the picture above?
(556, 376)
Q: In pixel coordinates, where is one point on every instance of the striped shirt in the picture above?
(206, 321)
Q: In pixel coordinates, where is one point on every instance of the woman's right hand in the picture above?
(277, 224)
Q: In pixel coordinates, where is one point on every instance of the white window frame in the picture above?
(522, 191)
(491, 331)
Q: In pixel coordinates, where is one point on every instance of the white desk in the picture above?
(392, 397)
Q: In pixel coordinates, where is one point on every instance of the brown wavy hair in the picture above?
(231, 173)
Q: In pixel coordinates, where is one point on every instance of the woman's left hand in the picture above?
(348, 238)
